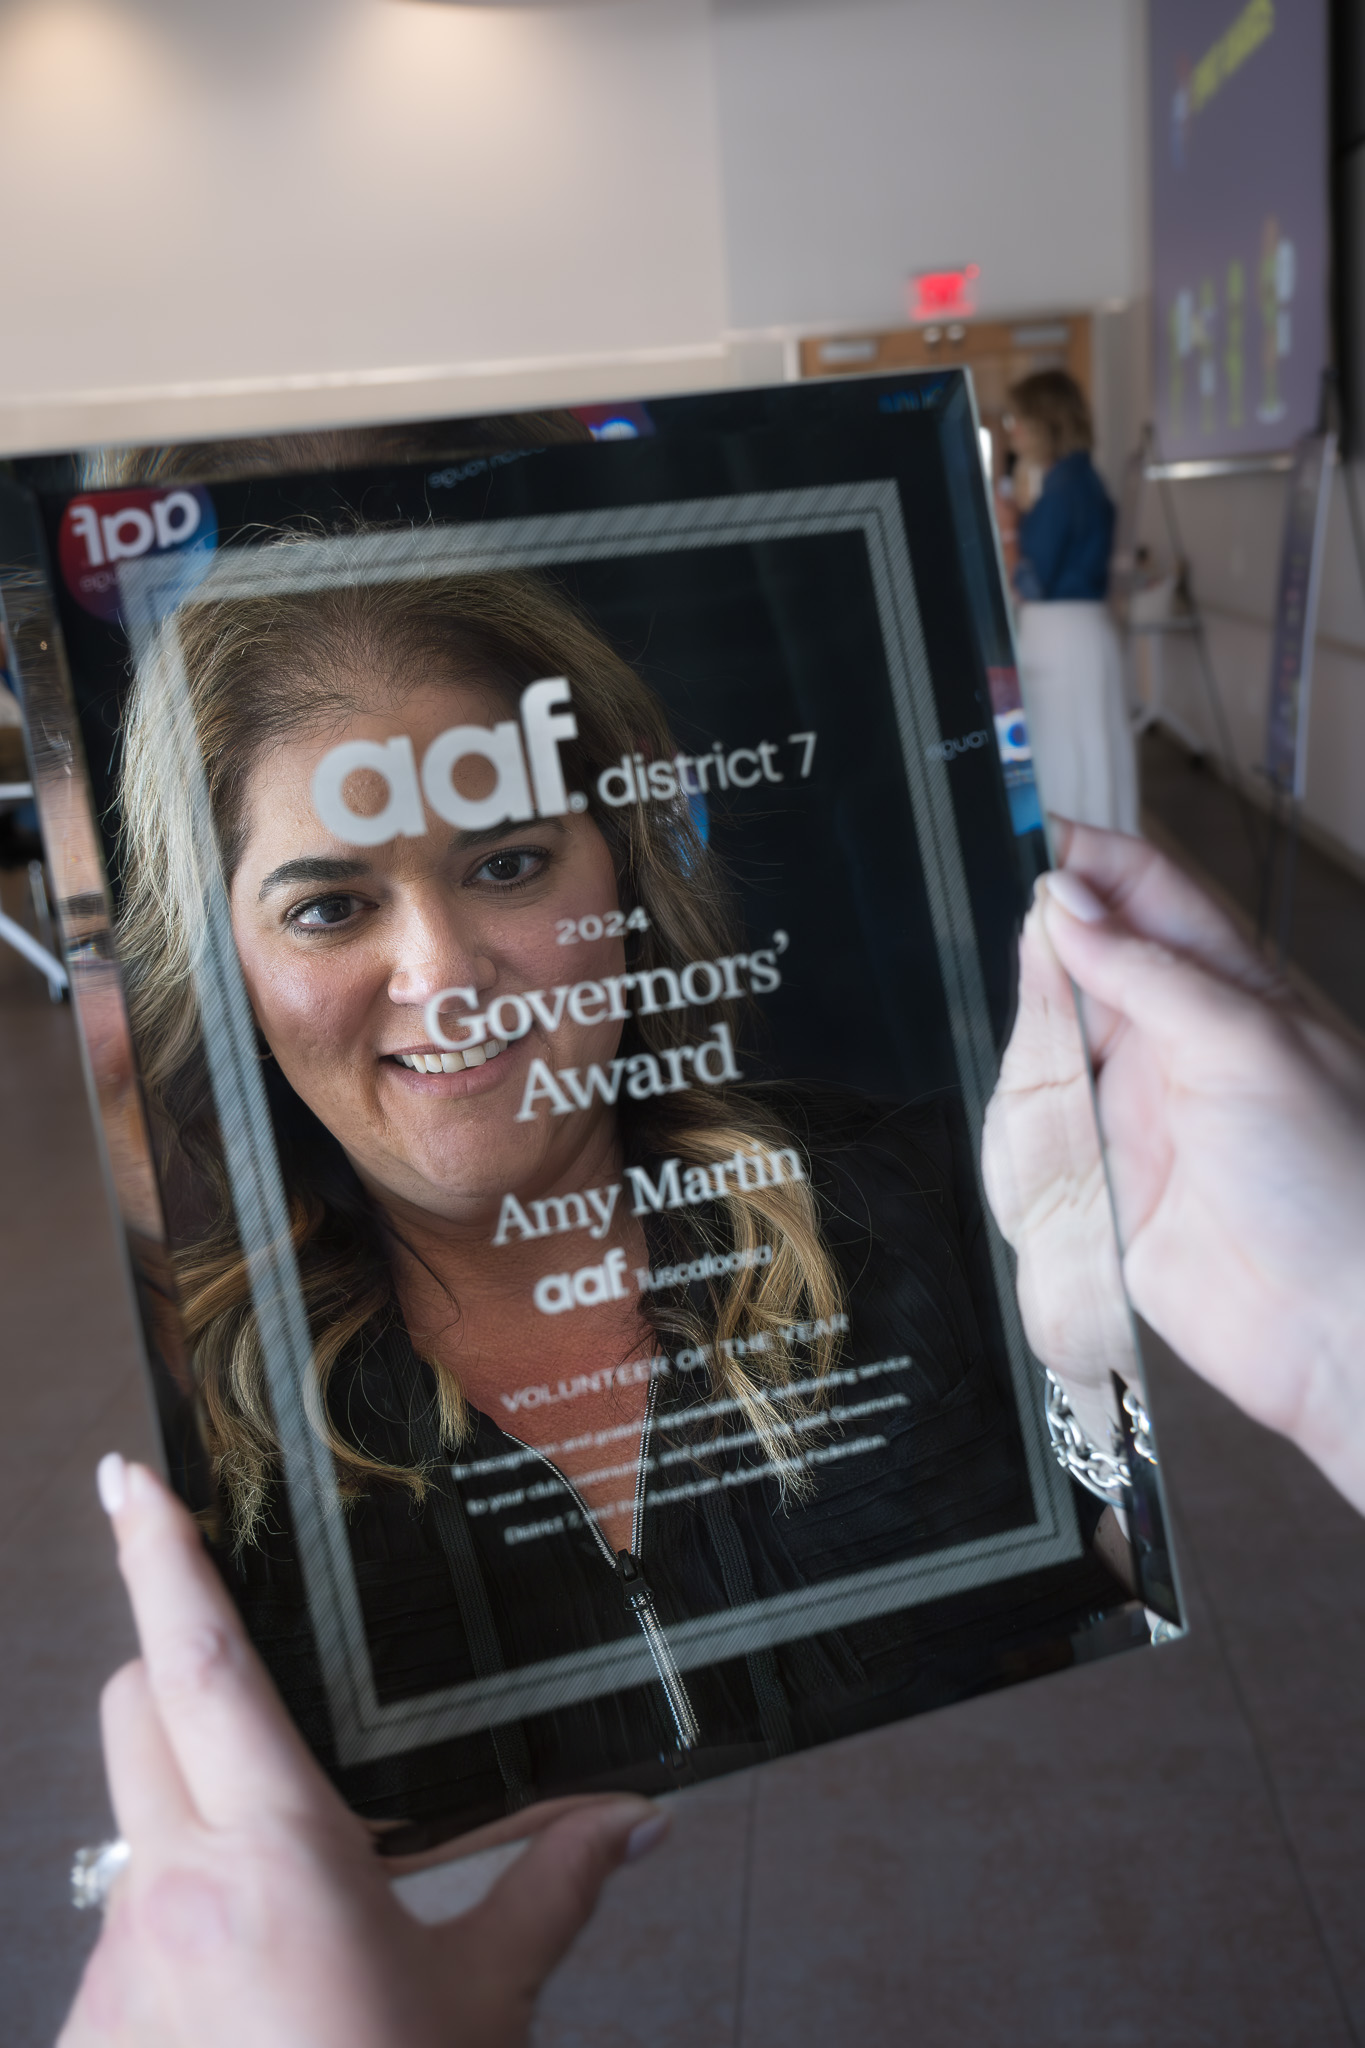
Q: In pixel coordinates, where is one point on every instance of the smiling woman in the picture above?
(451, 1110)
(397, 1164)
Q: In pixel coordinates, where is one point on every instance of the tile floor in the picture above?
(1165, 1849)
(1192, 805)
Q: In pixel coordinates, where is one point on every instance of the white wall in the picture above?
(240, 203)
(865, 139)
(229, 214)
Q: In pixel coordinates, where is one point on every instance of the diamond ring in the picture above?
(93, 1872)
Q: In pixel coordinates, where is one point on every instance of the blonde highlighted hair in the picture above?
(258, 670)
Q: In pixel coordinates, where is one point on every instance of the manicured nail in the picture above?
(1075, 896)
(111, 1482)
(645, 1836)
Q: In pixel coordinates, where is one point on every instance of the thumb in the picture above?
(536, 1910)
(1045, 1043)
(1178, 1005)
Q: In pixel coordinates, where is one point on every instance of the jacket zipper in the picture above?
(635, 1586)
(640, 1601)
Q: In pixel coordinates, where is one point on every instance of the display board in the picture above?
(1240, 232)
(543, 908)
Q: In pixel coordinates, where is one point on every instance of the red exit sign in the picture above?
(944, 294)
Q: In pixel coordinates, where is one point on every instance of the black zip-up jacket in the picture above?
(917, 1450)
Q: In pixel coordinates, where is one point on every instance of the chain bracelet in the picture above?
(1140, 1423)
(1103, 1473)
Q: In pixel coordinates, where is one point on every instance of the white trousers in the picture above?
(1071, 675)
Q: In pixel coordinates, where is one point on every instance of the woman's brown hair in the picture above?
(259, 669)
(1055, 402)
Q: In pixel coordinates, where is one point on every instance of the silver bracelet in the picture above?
(1103, 1473)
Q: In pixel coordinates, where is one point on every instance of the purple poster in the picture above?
(1239, 222)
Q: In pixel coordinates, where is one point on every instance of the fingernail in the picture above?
(1075, 896)
(645, 1836)
(142, 1486)
(111, 1482)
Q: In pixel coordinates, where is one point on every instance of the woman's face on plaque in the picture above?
(343, 946)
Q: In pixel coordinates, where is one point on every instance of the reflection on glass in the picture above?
(566, 959)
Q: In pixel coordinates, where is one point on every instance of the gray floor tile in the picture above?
(1279, 1559)
(1200, 812)
(71, 1389)
(661, 1961)
(1092, 1859)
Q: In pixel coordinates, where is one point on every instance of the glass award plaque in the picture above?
(542, 898)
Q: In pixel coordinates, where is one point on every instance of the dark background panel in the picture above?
(750, 643)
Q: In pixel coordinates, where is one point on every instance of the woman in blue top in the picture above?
(1071, 668)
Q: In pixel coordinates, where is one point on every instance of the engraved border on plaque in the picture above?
(363, 1727)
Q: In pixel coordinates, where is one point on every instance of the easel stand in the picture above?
(1291, 675)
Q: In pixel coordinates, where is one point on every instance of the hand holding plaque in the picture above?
(1234, 1130)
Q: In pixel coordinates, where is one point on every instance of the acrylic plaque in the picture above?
(542, 898)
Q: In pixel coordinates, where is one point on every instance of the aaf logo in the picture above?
(106, 528)
(509, 747)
